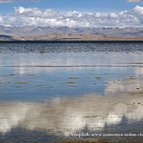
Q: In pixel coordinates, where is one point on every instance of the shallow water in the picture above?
(52, 91)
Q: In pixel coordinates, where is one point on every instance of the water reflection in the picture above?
(71, 54)
(60, 116)
(71, 88)
(87, 59)
(131, 85)
(61, 82)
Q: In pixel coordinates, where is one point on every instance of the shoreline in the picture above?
(72, 41)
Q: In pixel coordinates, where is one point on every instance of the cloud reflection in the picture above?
(71, 115)
(131, 85)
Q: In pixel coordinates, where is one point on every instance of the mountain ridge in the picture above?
(67, 33)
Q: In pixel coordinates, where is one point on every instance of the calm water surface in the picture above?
(51, 91)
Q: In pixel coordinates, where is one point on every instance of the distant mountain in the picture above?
(6, 38)
(67, 33)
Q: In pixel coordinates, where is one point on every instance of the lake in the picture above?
(56, 91)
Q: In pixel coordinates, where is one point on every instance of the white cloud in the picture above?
(49, 17)
(138, 9)
(1, 20)
(134, 0)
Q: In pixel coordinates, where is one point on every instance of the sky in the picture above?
(85, 5)
(71, 13)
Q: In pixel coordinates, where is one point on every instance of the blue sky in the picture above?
(83, 5)
(72, 13)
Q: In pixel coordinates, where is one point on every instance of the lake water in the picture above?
(57, 91)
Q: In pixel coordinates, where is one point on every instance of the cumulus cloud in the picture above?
(138, 9)
(50, 17)
(134, 0)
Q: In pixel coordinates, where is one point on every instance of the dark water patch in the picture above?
(19, 135)
(73, 78)
(22, 82)
(98, 78)
(58, 47)
(70, 82)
